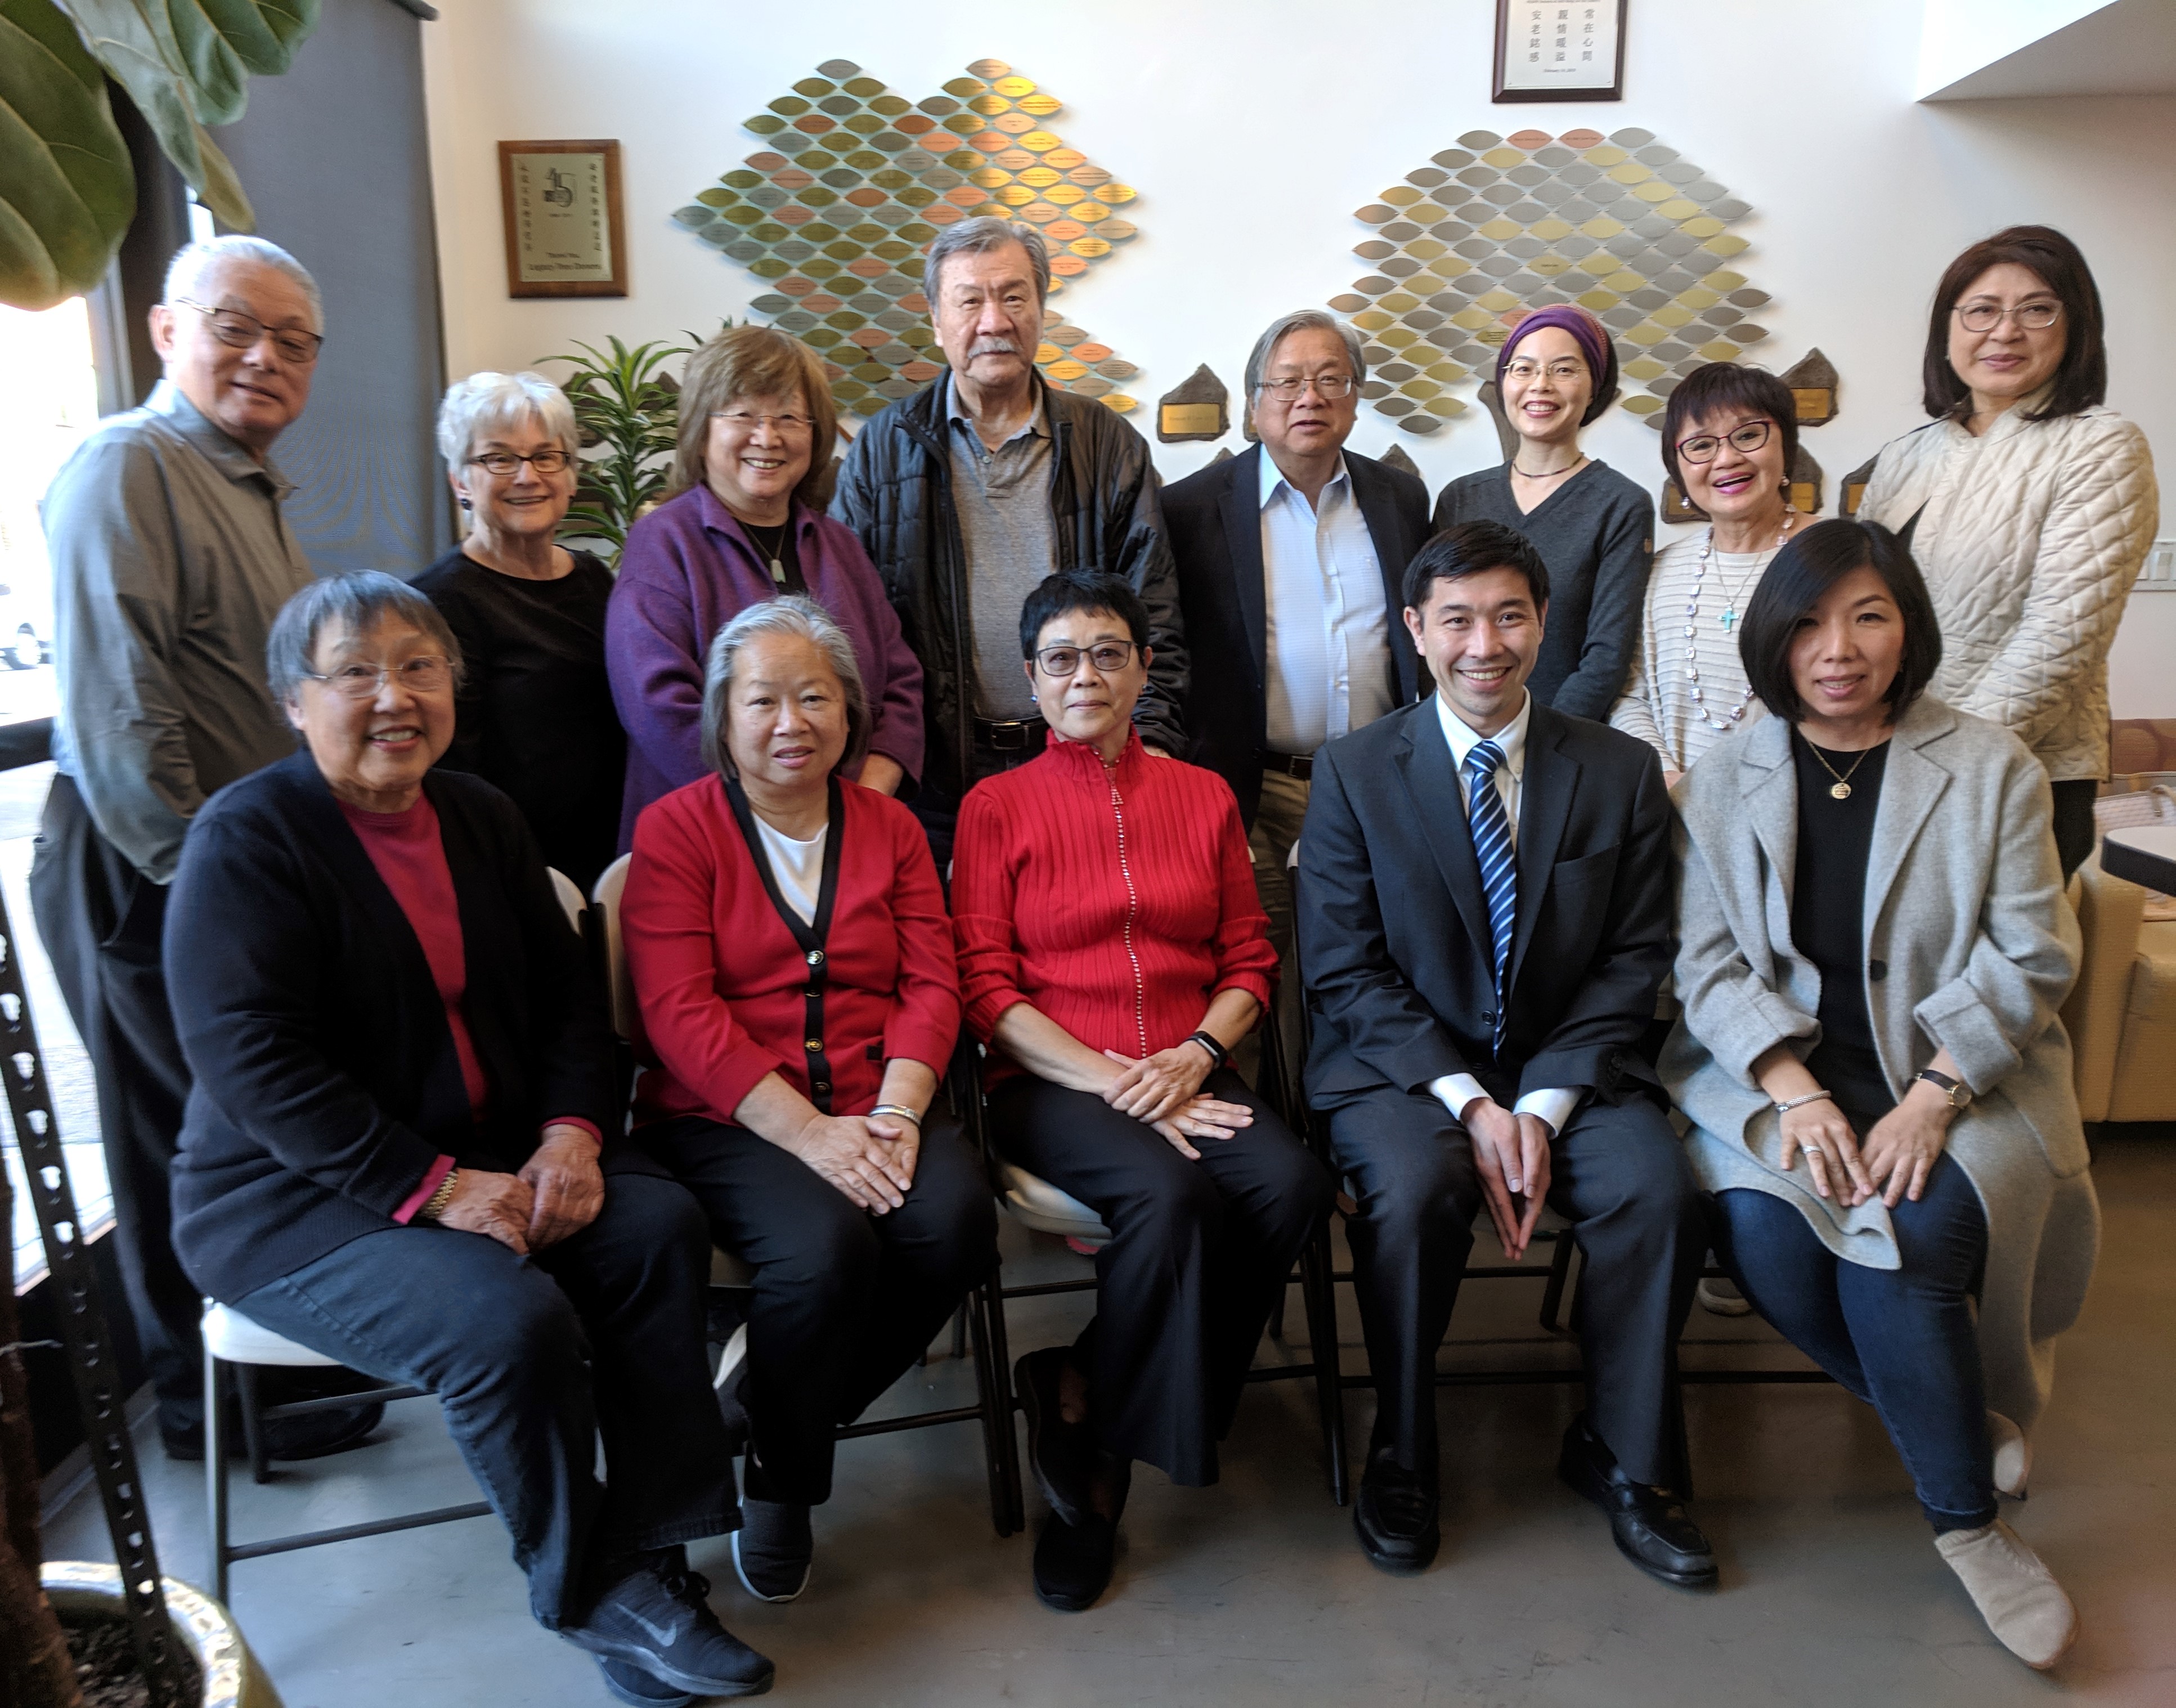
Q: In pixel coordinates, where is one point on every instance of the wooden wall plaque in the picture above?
(566, 228)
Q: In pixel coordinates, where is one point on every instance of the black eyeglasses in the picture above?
(1108, 656)
(240, 331)
(547, 461)
(1704, 448)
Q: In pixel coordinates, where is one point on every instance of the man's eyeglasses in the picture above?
(424, 675)
(549, 461)
(1328, 386)
(746, 420)
(1108, 656)
(240, 331)
(1704, 448)
(1985, 316)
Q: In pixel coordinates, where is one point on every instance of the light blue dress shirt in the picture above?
(1327, 626)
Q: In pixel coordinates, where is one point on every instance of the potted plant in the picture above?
(627, 409)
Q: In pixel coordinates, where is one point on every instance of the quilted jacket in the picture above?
(2030, 537)
(895, 492)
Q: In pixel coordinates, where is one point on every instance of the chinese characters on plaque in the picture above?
(564, 235)
(1569, 50)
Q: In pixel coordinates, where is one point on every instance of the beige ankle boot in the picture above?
(2021, 1601)
(2013, 1456)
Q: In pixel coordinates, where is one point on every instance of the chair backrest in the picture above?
(570, 897)
(619, 983)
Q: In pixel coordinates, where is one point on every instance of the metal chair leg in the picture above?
(1277, 1314)
(994, 1385)
(1318, 1294)
(1559, 1268)
(959, 1332)
(1001, 1366)
(214, 1437)
(252, 1423)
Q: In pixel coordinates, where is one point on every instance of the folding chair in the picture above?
(992, 1407)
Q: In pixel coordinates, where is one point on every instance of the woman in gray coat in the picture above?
(1873, 946)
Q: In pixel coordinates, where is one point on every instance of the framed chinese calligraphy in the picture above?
(1566, 50)
(565, 233)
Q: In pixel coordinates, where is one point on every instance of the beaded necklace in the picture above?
(1727, 620)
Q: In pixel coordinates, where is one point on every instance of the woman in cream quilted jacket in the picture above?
(2029, 505)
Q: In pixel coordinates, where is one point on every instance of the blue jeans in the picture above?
(533, 1359)
(1902, 1340)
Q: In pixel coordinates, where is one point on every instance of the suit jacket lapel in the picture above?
(1911, 784)
(1392, 550)
(1545, 796)
(1242, 511)
(1424, 763)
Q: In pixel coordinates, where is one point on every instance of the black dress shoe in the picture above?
(1396, 1515)
(1073, 1561)
(1649, 1524)
(1061, 1455)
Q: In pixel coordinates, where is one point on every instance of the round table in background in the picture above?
(2145, 854)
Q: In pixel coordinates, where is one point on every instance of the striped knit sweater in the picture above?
(1117, 900)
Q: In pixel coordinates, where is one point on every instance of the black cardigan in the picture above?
(325, 1078)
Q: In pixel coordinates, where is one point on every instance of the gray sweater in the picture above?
(1596, 534)
(170, 559)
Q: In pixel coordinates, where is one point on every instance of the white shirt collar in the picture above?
(1273, 478)
(1463, 737)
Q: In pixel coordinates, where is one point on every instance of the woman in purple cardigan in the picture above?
(755, 409)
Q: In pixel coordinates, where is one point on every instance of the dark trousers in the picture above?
(1618, 1173)
(1902, 1340)
(532, 1360)
(2075, 832)
(1200, 1253)
(100, 919)
(937, 804)
(845, 1301)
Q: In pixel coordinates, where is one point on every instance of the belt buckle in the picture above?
(1008, 737)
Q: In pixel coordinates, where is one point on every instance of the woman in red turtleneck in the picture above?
(1111, 952)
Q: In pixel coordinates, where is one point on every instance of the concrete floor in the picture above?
(1254, 1592)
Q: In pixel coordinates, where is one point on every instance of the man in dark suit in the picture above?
(1487, 921)
(1291, 560)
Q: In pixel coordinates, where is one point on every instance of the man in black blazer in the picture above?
(1291, 560)
(1485, 922)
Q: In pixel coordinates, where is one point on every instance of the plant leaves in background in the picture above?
(186, 63)
(69, 191)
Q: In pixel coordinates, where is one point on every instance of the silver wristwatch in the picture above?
(1955, 1091)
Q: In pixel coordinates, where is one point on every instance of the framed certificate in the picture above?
(565, 233)
(1565, 50)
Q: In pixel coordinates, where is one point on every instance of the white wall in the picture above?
(1252, 131)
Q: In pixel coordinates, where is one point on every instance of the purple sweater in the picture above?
(688, 569)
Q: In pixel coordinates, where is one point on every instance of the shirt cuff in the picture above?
(1454, 1092)
(433, 1180)
(1553, 1108)
(596, 1138)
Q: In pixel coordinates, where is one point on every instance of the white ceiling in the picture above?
(2128, 47)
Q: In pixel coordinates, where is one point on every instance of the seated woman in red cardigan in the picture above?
(789, 948)
(1111, 952)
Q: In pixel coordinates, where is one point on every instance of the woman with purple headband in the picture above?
(1594, 528)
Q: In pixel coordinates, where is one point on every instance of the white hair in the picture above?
(193, 263)
(487, 403)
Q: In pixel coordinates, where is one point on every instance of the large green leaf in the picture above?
(222, 42)
(66, 191)
(135, 41)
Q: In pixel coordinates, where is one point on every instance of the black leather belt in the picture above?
(1010, 734)
(1300, 765)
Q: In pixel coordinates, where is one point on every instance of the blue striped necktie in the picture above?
(1500, 867)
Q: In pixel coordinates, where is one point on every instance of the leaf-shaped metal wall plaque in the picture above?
(67, 190)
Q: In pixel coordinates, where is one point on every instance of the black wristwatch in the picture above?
(1955, 1091)
(1218, 1055)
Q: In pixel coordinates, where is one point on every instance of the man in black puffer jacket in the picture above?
(970, 492)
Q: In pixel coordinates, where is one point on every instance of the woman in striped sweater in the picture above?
(1111, 953)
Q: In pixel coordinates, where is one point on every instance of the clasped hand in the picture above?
(1511, 1155)
(1164, 1092)
(870, 1158)
(1893, 1161)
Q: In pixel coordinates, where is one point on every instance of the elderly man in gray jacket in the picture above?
(171, 557)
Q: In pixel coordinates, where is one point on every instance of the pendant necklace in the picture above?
(774, 552)
(1727, 620)
(1840, 789)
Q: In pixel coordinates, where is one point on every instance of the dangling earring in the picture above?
(465, 505)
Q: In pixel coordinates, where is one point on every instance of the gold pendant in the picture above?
(1840, 791)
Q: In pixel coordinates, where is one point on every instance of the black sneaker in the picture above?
(1059, 1455)
(1073, 1561)
(659, 1618)
(773, 1548)
(630, 1684)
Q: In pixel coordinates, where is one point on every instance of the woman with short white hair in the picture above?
(535, 715)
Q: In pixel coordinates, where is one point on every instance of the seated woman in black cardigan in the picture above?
(394, 1149)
